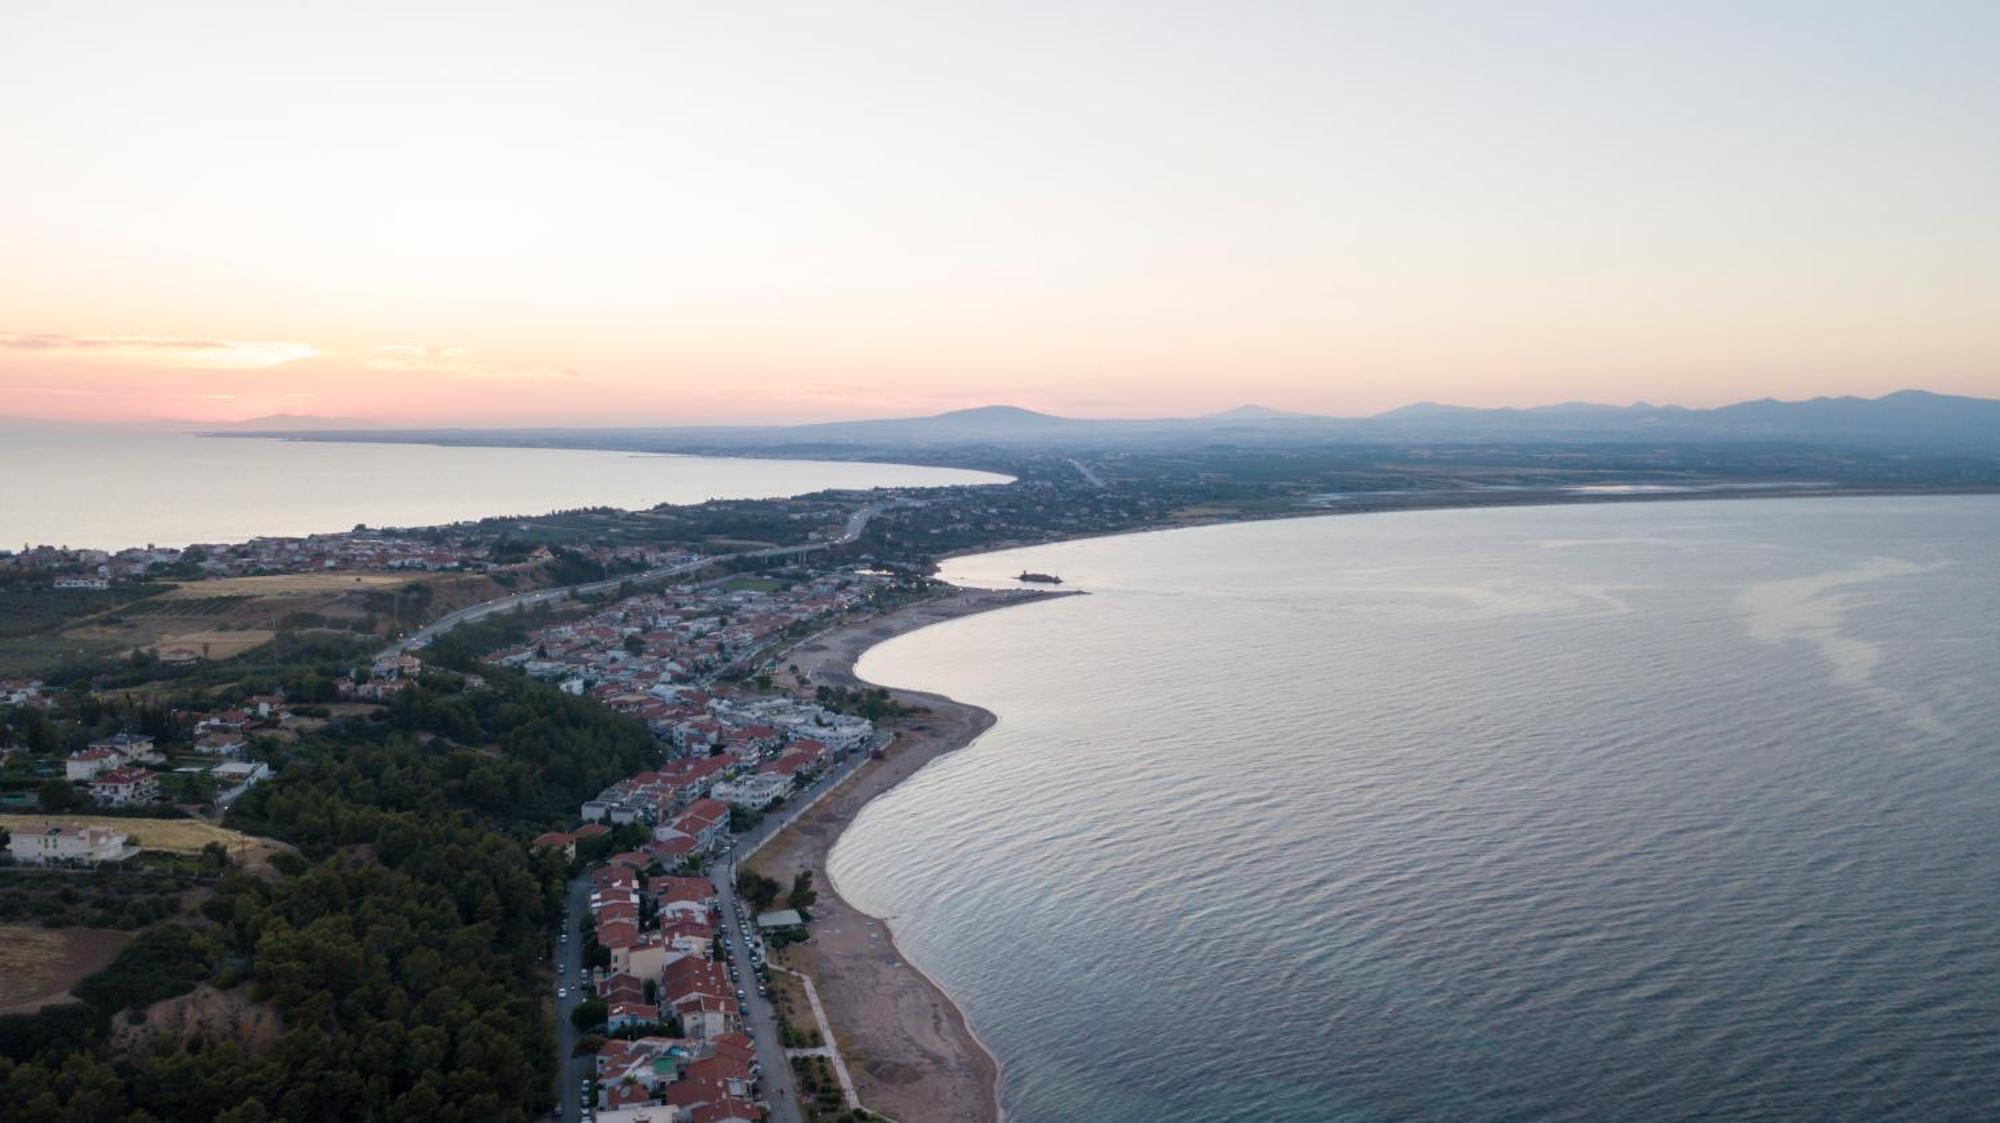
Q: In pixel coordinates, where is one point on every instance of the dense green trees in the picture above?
(401, 947)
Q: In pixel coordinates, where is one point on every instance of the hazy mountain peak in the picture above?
(995, 413)
(1252, 412)
(295, 422)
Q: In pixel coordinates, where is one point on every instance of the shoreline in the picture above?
(943, 1070)
(912, 1052)
(1433, 502)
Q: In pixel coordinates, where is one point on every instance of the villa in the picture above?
(58, 844)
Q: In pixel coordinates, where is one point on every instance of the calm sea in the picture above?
(116, 489)
(1663, 811)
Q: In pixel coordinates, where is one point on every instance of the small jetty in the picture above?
(1040, 578)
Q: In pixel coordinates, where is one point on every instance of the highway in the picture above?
(856, 524)
(1087, 472)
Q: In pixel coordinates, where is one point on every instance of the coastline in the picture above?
(908, 1045)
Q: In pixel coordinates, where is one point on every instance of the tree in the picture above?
(249, 1111)
(802, 895)
(57, 795)
(759, 890)
(589, 1013)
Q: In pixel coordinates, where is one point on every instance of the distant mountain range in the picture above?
(298, 423)
(1914, 420)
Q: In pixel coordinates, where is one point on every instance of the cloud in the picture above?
(460, 364)
(196, 354)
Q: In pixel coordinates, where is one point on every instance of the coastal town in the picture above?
(665, 971)
(620, 744)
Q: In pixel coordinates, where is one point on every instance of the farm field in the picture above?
(285, 584)
(178, 836)
(39, 965)
(215, 643)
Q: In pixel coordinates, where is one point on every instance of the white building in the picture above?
(245, 772)
(125, 787)
(86, 764)
(80, 582)
(755, 792)
(56, 843)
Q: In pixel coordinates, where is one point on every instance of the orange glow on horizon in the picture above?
(678, 215)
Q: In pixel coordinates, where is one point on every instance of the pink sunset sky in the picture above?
(676, 213)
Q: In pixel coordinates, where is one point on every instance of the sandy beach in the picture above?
(911, 1053)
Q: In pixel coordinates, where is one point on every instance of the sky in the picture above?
(668, 213)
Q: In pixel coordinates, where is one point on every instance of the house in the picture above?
(671, 852)
(242, 773)
(86, 764)
(618, 934)
(622, 1095)
(79, 581)
(631, 1014)
(706, 821)
(555, 840)
(752, 792)
(683, 938)
(132, 746)
(125, 787)
(228, 745)
(729, 1109)
(648, 1113)
(645, 958)
(682, 898)
(398, 667)
(622, 988)
(56, 844)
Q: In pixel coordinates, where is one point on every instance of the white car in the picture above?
(562, 992)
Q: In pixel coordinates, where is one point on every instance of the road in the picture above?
(780, 1095)
(1088, 472)
(571, 1069)
(758, 1014)
(760, 1017)
(851, 532)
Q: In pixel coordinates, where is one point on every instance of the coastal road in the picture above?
(780, 1094)
(760, 1016)
(850, 532)
(570, 973)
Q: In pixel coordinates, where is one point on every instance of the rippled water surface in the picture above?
(1658, 811)
(113, 489)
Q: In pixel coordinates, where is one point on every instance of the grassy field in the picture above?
(39, 965)
(214, 644)
(179, 836)
(286, 585)
(750, 585)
